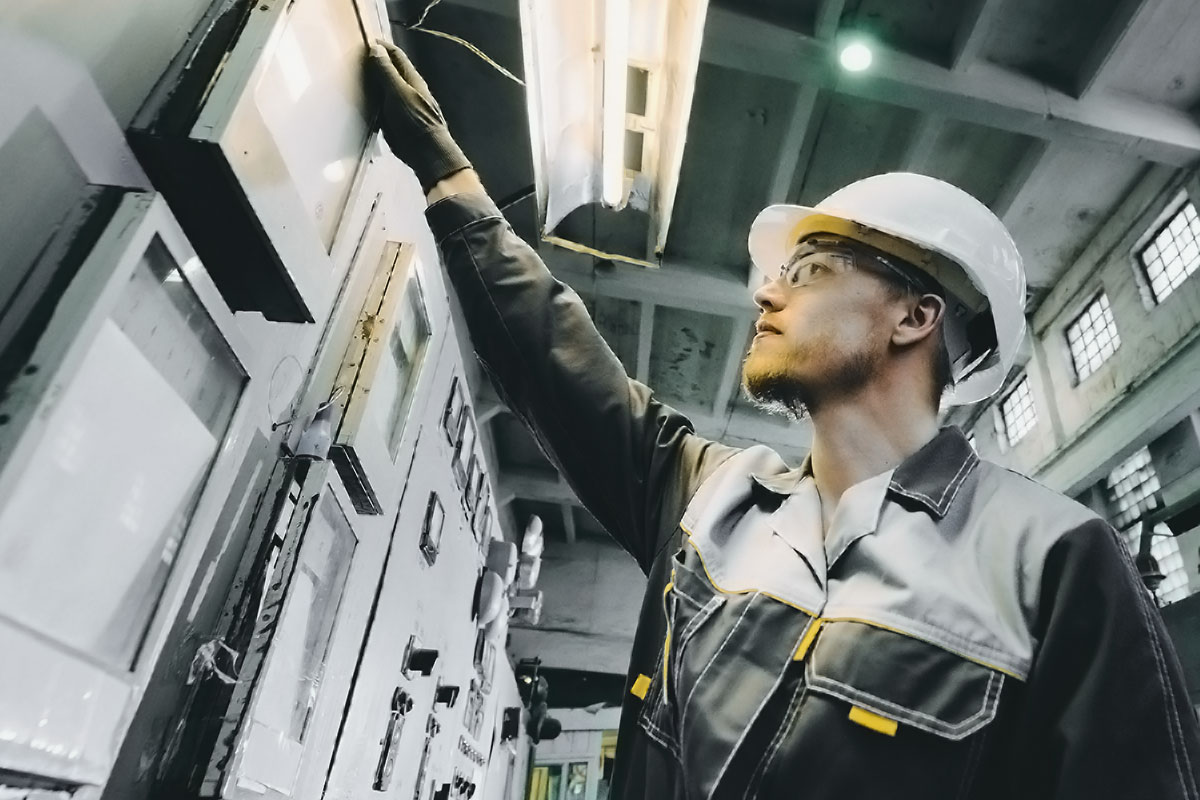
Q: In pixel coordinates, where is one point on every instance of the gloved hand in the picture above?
(412, 122)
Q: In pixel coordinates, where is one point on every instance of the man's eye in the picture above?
(800, 271)
(809, 270)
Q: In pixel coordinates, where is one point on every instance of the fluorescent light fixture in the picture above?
(855, 56)
(609, 87)
(616, 67)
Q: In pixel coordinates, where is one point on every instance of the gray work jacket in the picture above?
(962, 632)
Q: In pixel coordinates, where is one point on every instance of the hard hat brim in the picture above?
(768, 240)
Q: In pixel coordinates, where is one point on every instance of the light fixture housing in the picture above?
(609, 87)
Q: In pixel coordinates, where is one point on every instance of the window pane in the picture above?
(299, 649)
(1093, 337)
(1018, 412)
(127, 448)
(577, 780)
(1173, 254)
(1132, 487)
(407, 348)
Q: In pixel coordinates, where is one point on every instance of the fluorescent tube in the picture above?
(616, 66)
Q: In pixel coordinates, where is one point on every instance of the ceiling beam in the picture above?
(1015, 193)
(1121, 24)
(536, 485)
(801, 134)
(795, 153)
(797, 144)
(568, 517)
(747, 425)
(740, 429)
(829, 14)
(645, 340)
(924, 143)
(674, 284)
(987, 94)
(731, 374)
(486, 410)
(972, 31)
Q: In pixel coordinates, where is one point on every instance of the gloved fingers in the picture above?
(384, 73)
(406, 69)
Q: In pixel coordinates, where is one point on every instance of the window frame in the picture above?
(1162, 220)
(1113, 500)
(1095, 298)
(1016, 386)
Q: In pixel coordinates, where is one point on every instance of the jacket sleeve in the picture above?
(1108, 713)
(632, 461)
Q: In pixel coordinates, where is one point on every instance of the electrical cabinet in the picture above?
(121, 434)
(255, 135)
(175, 436)
(286, 708)
(423, 641)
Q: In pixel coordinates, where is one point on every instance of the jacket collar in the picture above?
(930, 477)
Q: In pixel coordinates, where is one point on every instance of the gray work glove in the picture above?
(412, 122)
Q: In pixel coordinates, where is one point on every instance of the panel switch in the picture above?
(418, 660)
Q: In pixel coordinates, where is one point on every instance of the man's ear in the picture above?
(923, 319)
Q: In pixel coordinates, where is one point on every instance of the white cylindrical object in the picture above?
(615, 52)
(533, 542)
(491, 595)
(527, 572)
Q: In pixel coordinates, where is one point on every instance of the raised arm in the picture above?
(632, 461)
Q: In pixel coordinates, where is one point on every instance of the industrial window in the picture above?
(1164, 547)
(1093, 336)
(1132, 488)
(1173, 254)
(1017, 412)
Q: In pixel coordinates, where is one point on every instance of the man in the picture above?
(894, 618)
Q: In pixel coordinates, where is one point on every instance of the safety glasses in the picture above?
(813, 259)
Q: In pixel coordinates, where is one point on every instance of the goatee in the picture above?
(775, 392)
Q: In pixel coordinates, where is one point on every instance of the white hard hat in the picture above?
(955, 237)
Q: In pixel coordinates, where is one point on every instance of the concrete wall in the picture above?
(1148, 385)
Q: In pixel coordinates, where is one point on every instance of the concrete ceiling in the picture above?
(1045, 110)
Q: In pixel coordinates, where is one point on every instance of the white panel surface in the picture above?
(287, 111)
(94, 524)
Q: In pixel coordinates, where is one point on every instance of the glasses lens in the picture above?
(807, 265)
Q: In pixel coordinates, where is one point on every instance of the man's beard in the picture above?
(782, 392)
(775, 392)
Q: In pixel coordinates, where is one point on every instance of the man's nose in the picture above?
(767, 296)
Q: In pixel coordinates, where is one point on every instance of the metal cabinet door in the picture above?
(127, 420)
(430, 601)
